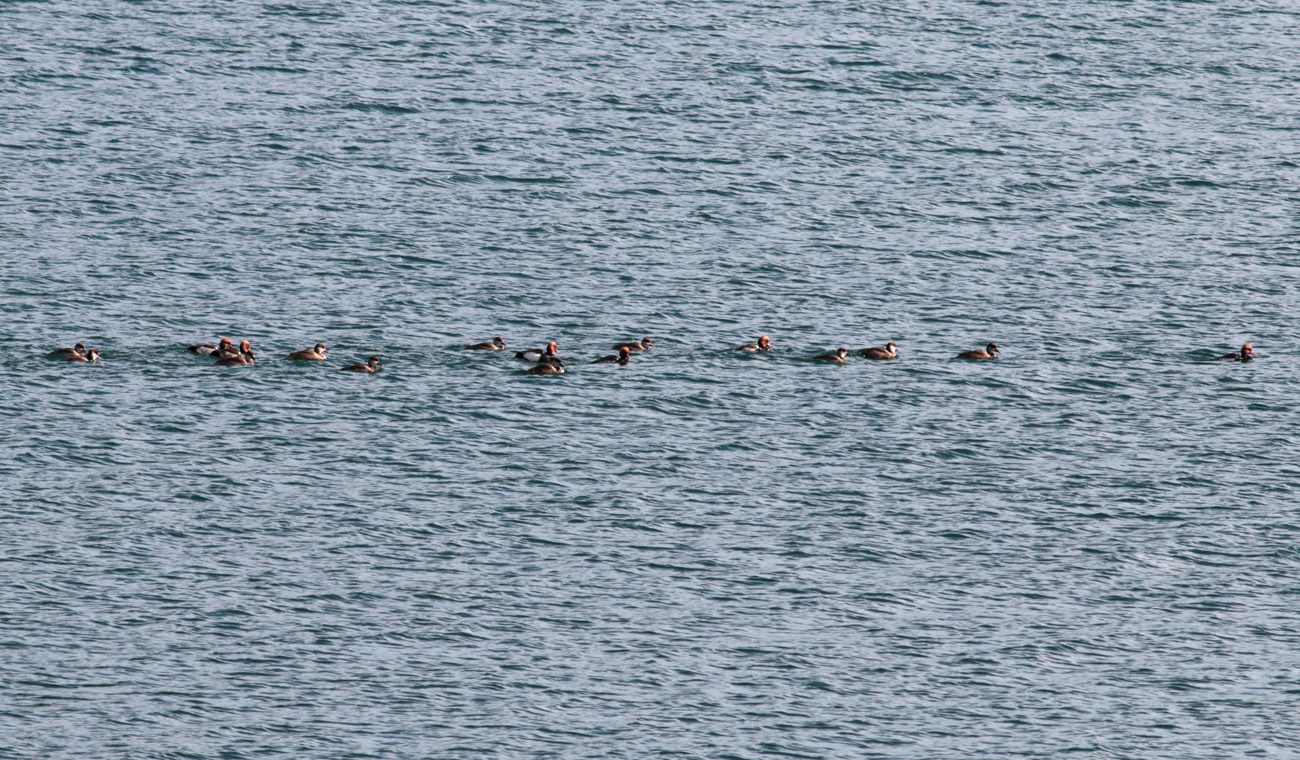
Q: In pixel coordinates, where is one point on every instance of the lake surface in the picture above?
(1089, 548)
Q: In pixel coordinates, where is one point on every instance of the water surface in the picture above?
(1087, 548)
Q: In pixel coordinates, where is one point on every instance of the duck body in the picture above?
(645, 344)
(762, 346)
(77, 350)
(91, 357)
(988, 352)
(207, 349)
(371, 365)
(496, 344)
(552, 366)
(313, 354)
(1247, 353)
(839, 357)
(539, 354)
(887, 352)
(622, 359)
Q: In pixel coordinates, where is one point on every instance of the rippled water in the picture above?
(1088, 548)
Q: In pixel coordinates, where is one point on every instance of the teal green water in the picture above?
(1087, 548)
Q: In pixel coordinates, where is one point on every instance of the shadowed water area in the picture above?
(1089, 548)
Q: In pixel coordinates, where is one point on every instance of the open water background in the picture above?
(1088, 549)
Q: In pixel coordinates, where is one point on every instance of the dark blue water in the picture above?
(1089, 548)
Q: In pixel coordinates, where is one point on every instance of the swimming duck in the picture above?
(371, 365)
(77, 350)
(538, 354)
(245, 356)
(207, 349)
(621, 359)
(763, 344)
(837, 357)
(314, 354)
(551, 366)
(988, 352)
(92, 356)
(887, 351)
(496, 344)
(645, 344)
(231, 353)
(1246, 354)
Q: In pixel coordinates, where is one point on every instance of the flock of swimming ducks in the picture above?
(226, 354)
(547, 359)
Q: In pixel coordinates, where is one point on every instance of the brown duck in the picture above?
(839, 357)
(988, 352)
(313, 354)
(496, 344)
(886, 352)
(371, 365)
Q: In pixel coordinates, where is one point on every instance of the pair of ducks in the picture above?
(225, 352)
(887, 352)
(553, 365)
(317, 354)
(548, 359)
(78, 353)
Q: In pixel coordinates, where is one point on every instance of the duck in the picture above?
(763, 345)
(539, 354)
(371, 365)
(988, 352)
(207, 349)
(838, 357)
(645, 344)
(91, 356)
(231, 353)
(886, 352)
(314, 354)
(551, 366)
(496, 344)
(623, 356)
(77, 350)
(245, 356)
(1246, 354)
